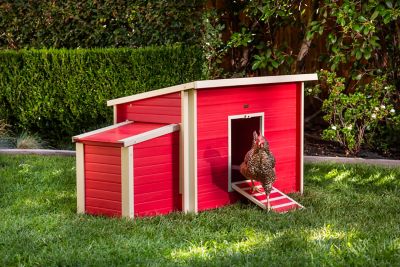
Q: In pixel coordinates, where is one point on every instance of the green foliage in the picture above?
(360, 34)
(60, 93)
(92, 23)
(353, 115)
(212, 44)
(262, 50)
(351, 218)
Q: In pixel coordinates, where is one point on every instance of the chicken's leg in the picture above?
(254, 188)
(268, 204)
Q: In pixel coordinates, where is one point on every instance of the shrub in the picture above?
(90, 23)
(60, 93)
(352, 115)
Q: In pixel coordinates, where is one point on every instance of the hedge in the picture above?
(60, 93)
(93, 23)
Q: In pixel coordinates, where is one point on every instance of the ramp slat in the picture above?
(283, 203)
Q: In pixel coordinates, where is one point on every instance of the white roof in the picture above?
(216, 84)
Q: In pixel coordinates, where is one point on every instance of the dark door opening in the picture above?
(241, 133)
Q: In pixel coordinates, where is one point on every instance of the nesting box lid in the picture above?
(126, 133)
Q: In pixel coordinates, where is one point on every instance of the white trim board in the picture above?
(216, 84)
(80, 178)
(127, 208)
(77, 137)
(256, 80)
(129, 141)
(189, 152)
(158, 92)
(234, 117)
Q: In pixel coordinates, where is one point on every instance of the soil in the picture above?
(315, 146)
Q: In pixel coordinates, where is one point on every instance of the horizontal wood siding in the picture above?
(156, 176)
(160, 109)
(278, 102)
(103, 180)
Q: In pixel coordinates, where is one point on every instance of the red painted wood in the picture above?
(100, 150)
(279, 102)
(160, 109)
(298, 136)
(156, 176)
(101, 176)
(100, 185)
(102, 169)
(122, 132)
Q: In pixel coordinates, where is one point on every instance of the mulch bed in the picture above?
(315, 146)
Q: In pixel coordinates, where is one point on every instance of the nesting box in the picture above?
(179, 148)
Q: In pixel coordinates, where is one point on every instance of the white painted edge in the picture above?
(302, 140)
(189, 136)
(129, 141)
(230, 118)
(215, 84)
(291, 199)
(115, 114)
(256, 80)
(274, 199)
(80, 178)
(163, 91)
(77, 137)
(127, 182)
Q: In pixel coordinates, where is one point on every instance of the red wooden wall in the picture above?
(156, 176)
(103, 180)
(281, 105)
(160, 109)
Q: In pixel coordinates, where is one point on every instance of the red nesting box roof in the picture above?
(126, 133)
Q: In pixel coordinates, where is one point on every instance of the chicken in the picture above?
(259, 165)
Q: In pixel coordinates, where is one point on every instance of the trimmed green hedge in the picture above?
(93, 23)
(60, 93)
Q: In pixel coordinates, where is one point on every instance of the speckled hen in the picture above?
(259, 165)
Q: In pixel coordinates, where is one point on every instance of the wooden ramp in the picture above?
(279, 201)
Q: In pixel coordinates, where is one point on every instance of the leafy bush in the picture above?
(352, 116)
(59, 93)
(91, 23)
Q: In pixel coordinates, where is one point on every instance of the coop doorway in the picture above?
(240, 137)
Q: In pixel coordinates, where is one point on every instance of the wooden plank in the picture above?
(127, 182)
(189, 152)
(80, 178)
(154, 133)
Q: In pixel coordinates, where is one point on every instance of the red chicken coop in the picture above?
(179, 148)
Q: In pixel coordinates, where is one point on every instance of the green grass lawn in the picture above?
(352, 217)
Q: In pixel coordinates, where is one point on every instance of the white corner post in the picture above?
(127, 181)
(302, 139)
(80, 178)
(115, 114)
(188, 152)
